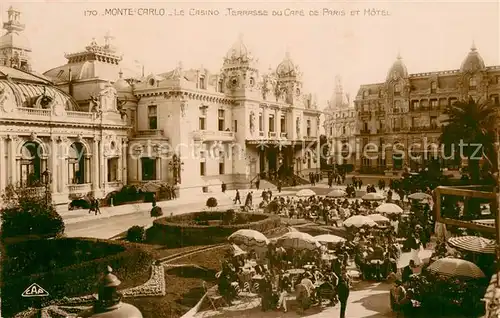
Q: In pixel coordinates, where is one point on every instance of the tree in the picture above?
(212, 202)
(29, 212)
(474, 124)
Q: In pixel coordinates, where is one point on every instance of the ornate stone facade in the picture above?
(408, 109)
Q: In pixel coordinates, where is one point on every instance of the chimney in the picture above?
(70, 82)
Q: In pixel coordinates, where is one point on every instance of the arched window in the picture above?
(201, 84)
(472, 82)
(220, 86)
(433, 87)
(397, 89)
(366, 93)
(32, 165)
(78, 164)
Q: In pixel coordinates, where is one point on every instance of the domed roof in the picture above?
(286, 68)
(473, 61)
(122, 85)
(15, 40)
(238, 52)
(398, 70)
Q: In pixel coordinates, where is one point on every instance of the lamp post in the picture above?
(176, 165)
(47, 180)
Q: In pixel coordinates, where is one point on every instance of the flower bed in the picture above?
(203, 228)
(69, 267)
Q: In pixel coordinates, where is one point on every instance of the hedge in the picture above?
(127, 260)
(195, 228)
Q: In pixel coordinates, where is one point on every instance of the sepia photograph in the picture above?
(249, 159)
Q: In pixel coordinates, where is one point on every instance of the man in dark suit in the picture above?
(408, 271)
(343, 289)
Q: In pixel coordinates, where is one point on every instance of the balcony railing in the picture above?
(424, 128)
(114, 184)
(261, 134)
(364, 131)
(380, 131)
(216, 135)
(380, 112)
(150, 133)
(284, 135)
(40, 112)
(272, 134)
(82, 188)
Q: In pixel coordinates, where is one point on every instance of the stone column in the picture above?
(3, 176)
(102, 166)
(139, 169)
(95, 165)
(265, 122)
(158, 167)
(124, 158)
(13, 160)
(53, 164)
(119, 169)
(64, 167)
(278, 123)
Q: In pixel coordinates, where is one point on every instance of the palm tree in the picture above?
(474, 124)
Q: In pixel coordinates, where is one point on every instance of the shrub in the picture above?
(156, 212)
(209, 227)
(67, 267)
(212, 202)
(28, 212)
(136, 234)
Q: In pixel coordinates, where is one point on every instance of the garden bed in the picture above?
(204, 228)
(68, 267)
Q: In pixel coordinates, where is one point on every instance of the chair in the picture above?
(216, 300)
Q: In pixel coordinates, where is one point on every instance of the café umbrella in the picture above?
(248, 238)
(329, 238)
(373, 197)
(337, 194)
(389, 208)
(359, 221)
(379, 218)
(419, 196)
(305, 193)
(475, 244)
(455, 267)
(298, 241)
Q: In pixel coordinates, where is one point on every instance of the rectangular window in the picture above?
(202, 168)
(202, 123)
(414, 104)
(434, 103)
(308, 128)
(113, 169)
(221, 168)
(235, 126)
(148, 169)
(271, 123)
(221, 119)
(152, 116)
(261, 122)
(283, 124)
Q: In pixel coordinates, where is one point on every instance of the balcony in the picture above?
(113, 186)
(261, 134)
(272, 134)
(150, 133)
(284, 135)
(364, 131)
(380, 131)
(216, 135)
(79, 189)
(425, 128)
(46, 114)
(380, 112)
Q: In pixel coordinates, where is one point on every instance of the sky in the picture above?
(429, 35)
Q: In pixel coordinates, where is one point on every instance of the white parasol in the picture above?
(389, 208)
(473, 243)
(456, 267)
(248, 238)
(298, 241)
(305, 193)
(419, 196)
(337, 194)
(373, 197)
(329, 238)
(359, 221)
(379, 218)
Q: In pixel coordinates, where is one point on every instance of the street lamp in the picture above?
(47, 180)
(176, 165)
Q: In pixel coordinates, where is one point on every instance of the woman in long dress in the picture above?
(415, 249)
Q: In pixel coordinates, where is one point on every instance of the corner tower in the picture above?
(15, 49)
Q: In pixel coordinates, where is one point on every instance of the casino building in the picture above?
(93, 130)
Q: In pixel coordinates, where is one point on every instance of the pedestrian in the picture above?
(237, 198)
(96, 207)
(223, 187)
(257, 183)
(343, 289)
(92, 205)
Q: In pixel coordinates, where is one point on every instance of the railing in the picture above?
(272, 134)
(113, 184)
(380, 112)
(150, 133)
(215, 134)
(79, 188)
(261, 134)
(82, 115)
(284, 135)
(380, 131)
(35, 111)
(364, 131)
(424, 128)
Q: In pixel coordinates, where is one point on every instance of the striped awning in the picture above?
(475, 244)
